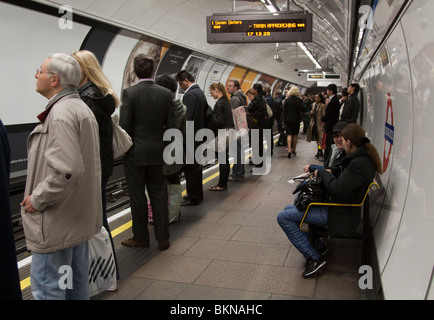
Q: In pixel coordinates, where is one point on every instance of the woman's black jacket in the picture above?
(102, 107)
(292, 110)
(358, 171)
(223, 114)
(258, 108)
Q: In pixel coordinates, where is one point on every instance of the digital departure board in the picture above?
(321, 77)
(286, 27)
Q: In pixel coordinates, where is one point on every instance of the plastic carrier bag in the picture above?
(174, 198)
(174, 192)
(102, 267)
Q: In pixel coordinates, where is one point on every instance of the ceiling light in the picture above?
(270, 7)
(306, 50)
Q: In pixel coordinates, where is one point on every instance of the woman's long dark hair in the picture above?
(258, 88)
(356, 135)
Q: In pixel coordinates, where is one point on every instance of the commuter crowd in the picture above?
(70, 157)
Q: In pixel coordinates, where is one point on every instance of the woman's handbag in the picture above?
(122, 141)
(310, 190)
(269, 113)
(251, 122)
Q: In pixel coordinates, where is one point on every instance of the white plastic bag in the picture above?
(174, 192)
(102, 267)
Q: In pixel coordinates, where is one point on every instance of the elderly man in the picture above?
(62, 207)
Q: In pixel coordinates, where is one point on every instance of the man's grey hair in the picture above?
(66, 67)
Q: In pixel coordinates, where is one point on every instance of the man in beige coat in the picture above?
(62, 208)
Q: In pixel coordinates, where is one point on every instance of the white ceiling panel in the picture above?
(182, 22)
(130, 10)
(107, 8)
(80, 3)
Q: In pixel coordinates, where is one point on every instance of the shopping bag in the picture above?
(174, 196)
(102, 267)
(240, 119)
(324, 141)
(174, 192)
(122, 141)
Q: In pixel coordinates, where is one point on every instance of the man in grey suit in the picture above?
(196, 103)
(146, 113)
(352, 106)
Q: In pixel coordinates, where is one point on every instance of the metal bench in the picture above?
(343, 219)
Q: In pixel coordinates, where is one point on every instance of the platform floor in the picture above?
(230, 247)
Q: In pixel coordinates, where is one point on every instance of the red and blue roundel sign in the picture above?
(389, 134)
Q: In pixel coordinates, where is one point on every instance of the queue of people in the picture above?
(70, 158)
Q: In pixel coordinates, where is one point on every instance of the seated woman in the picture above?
(224, 120)
(358, 171)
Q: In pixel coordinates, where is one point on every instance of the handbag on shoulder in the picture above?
(252, 123)
(122, 141)
(269, 113)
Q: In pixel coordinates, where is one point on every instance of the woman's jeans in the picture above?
(61, 274)
(289, 220)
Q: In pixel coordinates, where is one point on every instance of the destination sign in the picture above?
(259, 28)
(321, 76)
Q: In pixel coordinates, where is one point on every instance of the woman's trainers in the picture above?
(313, 266)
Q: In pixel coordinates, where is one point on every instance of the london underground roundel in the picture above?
(389, 134)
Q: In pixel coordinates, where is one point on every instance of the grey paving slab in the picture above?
(231, 248)
(256, 278)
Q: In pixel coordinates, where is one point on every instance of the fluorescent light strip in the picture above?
(269, 6)
(306, 50)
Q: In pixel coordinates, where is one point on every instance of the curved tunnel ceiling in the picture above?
(183, 22)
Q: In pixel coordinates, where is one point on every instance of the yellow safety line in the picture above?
(26, 282)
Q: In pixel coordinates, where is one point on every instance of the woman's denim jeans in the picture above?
(289, 220)
(51, 277)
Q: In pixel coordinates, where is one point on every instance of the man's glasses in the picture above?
(39, 72)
